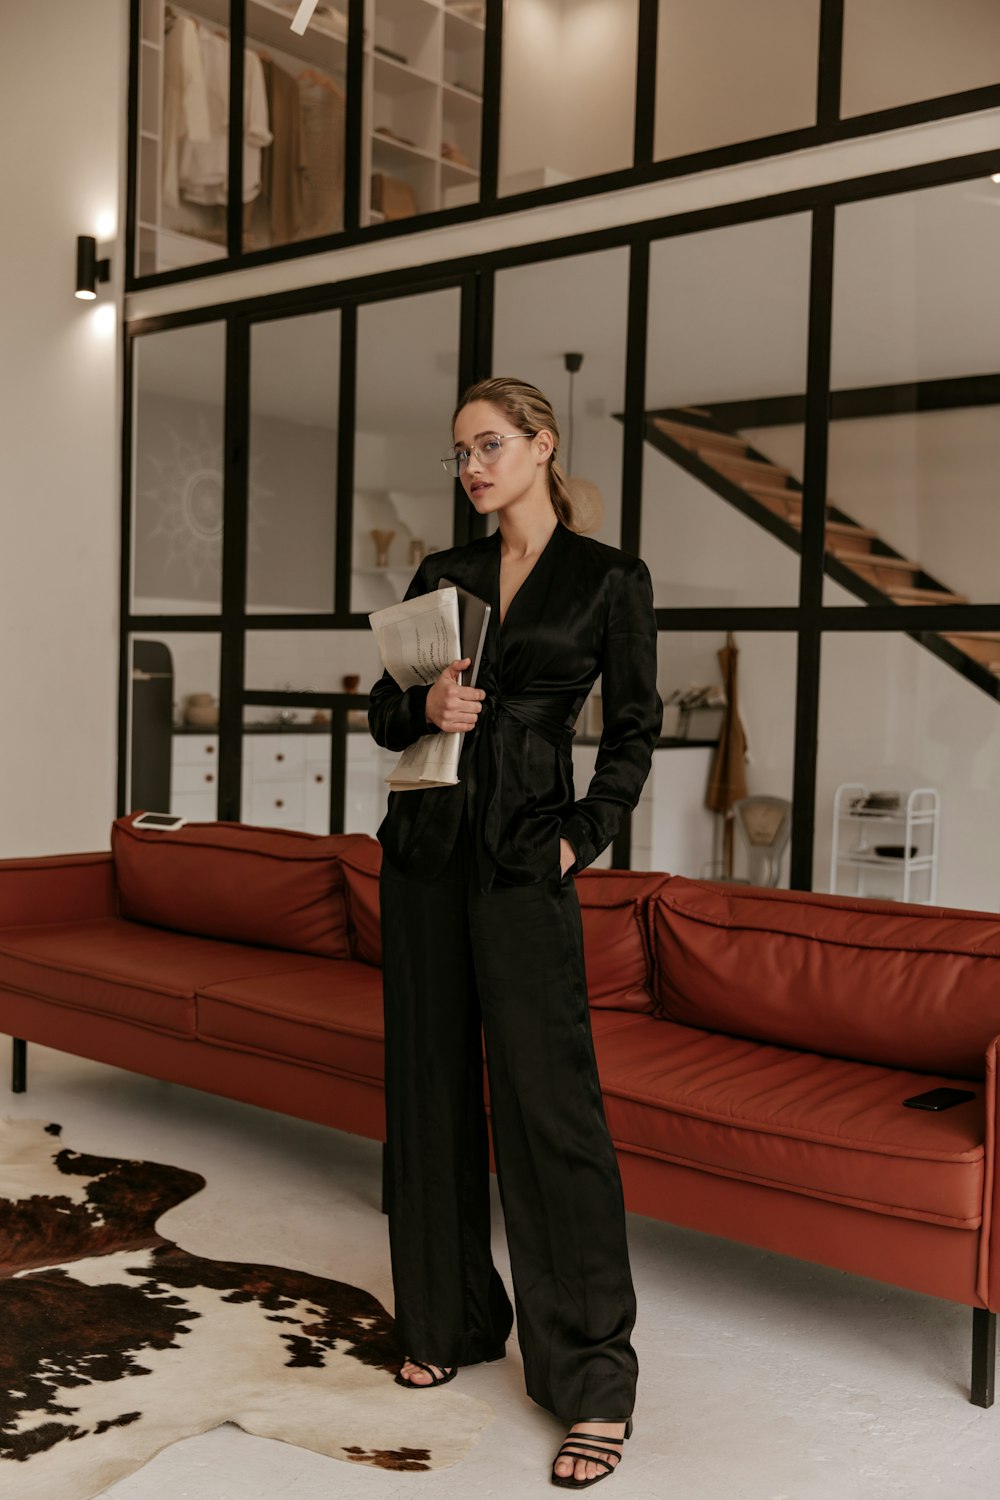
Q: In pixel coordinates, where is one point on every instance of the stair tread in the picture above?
(900, 592)
(879, 560)
(769, 492)
(753, 465)
(703, 436)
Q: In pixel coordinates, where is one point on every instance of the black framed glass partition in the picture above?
(728, 72)
(176, 524)
(293, 455)
(914, 447)
(728, 329)
(576, 305)
(742, 368)
(407, 386)
(390, 115)
(567, 103)
(896, 52)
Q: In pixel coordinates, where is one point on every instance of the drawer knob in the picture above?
(278, 802)
(209, 776)
(279, 756)
(319, 779)
(209, 749)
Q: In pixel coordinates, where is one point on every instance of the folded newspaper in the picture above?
(417, 640)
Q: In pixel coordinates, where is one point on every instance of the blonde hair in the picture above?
(526, 407)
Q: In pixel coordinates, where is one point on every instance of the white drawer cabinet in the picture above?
(286, 781)
(194, 777)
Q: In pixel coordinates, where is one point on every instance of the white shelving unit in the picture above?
(916, 821)
(424, 70)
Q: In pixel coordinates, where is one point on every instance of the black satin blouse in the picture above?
(584, 610)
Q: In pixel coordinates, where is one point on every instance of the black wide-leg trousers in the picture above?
(509, 960)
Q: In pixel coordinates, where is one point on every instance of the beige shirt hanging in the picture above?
(323, 123)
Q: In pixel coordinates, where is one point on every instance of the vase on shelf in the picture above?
(382, 539)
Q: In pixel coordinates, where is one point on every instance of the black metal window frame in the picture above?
(809, 620)
(829, 128)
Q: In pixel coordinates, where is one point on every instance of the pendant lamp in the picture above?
(588, 502)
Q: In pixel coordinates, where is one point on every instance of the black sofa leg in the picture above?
(984, 1356)
(19, 1064)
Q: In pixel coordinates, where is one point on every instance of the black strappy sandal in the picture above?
(427, 1385)
(583, 1445)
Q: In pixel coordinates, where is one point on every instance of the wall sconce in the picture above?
(89, 270)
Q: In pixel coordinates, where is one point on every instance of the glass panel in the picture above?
(424, 64)
(292, 487)
(578, 305)
(672, 827)
(407, 385)
(727, 71)
(895, 717)
(183, 147)
(915, 440)
(173, 715)
(310, 661)
(728, 327)
(177, 488)
(567, 105)
(294, 124)
(899, 51)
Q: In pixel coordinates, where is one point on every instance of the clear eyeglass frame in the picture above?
(487, 450)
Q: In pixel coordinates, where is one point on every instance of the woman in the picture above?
(481, 932)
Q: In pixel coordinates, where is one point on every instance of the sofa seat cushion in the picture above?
(125, 969)
(811, 1124)
(328, 1015)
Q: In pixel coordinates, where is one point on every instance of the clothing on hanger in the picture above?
(203, 170)
(185, 99)
(284, 166)
(323, 111)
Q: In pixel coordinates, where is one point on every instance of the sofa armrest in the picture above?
(57, 888)
(988, 1278)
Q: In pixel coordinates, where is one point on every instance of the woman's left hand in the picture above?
(567, 856)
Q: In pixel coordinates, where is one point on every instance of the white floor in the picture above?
(761, 1378)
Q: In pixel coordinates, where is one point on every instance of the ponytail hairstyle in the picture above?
(526, 407)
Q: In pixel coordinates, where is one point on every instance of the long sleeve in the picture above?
(396, 718)
(633, 718)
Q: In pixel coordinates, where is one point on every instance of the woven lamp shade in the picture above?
(588, 504)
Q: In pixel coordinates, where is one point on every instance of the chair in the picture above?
(764, 824)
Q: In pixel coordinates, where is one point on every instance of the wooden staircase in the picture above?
(856, 557)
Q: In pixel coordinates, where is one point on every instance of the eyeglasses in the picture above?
(488, 449)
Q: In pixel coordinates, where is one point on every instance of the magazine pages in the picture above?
(417, 639)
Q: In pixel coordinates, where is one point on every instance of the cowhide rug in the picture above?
(115, 1342)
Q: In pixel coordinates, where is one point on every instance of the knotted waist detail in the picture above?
(546, 714)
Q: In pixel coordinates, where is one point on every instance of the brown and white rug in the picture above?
(115, 1342)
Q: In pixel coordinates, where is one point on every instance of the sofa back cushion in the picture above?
(269, 886)
(879, 981)
(361, 858)
(615, 937)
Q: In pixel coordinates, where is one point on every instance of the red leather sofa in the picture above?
(755, 1046)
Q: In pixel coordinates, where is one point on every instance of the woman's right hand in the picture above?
(450, 706)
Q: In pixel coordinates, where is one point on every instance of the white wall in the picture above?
(560, 55)
(62, 78)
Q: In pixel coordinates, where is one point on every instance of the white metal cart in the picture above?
(917, 819)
